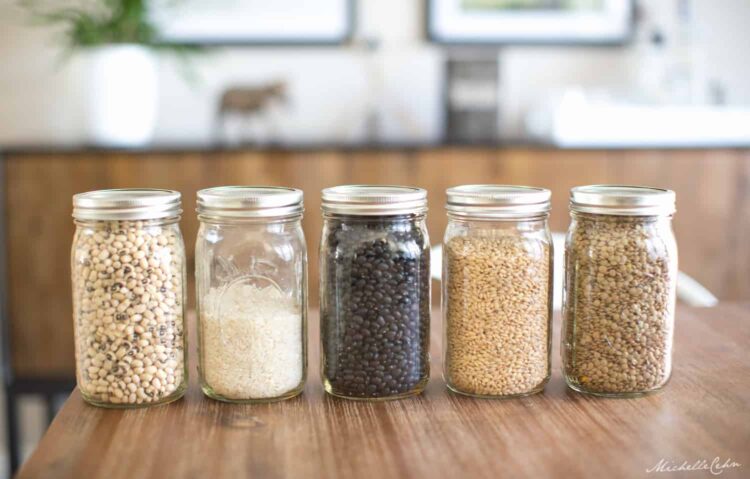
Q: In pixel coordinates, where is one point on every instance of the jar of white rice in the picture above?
(251, 281)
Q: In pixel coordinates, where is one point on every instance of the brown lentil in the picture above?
(619, 312)
(498, 314)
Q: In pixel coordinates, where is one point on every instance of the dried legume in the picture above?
(619, 313)
(128, 308)
(375, 307)
(497, 309)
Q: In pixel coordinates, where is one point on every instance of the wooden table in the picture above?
(703, 414)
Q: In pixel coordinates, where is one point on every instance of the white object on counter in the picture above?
(577, 122)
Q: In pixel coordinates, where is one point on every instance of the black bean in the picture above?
(375, 306)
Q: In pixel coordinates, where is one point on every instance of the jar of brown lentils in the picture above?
(497, 290)
(128, 275)
(619, 300)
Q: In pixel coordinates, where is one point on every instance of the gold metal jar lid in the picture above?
(126, 204)
(497, 201)
(226, 202)
(622, 200)
(374, 200)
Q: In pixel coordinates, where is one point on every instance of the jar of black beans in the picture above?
(374, 292)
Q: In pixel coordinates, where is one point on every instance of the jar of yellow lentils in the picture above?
(497, 290)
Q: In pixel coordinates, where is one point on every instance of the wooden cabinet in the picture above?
(712, 222)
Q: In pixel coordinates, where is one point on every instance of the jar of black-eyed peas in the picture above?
(128, 277)
(620, 286)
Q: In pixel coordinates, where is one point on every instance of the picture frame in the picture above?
(530, 22)
(255, 22)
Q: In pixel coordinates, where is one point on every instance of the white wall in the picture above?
(42, 97)
(38, 92)
(724, 31)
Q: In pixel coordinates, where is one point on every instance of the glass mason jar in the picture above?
(128, 277)
(497, 290)
(251, 282)
(619, 301)
(374, 292)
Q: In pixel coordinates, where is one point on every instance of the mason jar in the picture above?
(251, 282)
(619, 301)
(128, 277)
(374, 292)
(497, 290)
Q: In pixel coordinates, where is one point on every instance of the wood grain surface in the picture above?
(713, 191)
(704, 413)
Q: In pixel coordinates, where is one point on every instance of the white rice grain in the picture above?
(252, 344)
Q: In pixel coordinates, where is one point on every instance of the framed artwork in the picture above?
(254, 22)
(529, 22)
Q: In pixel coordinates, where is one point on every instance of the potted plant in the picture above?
(118, 41)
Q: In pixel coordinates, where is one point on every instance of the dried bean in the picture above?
(375, 307)
(109, 312)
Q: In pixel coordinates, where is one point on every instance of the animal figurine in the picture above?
(251, 104)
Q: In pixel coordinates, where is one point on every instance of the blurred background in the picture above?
(186, 94)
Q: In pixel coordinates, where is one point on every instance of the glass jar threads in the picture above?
(128, 277)
(251, 281)
(497, 290)
(621, 271)
(374, 292)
